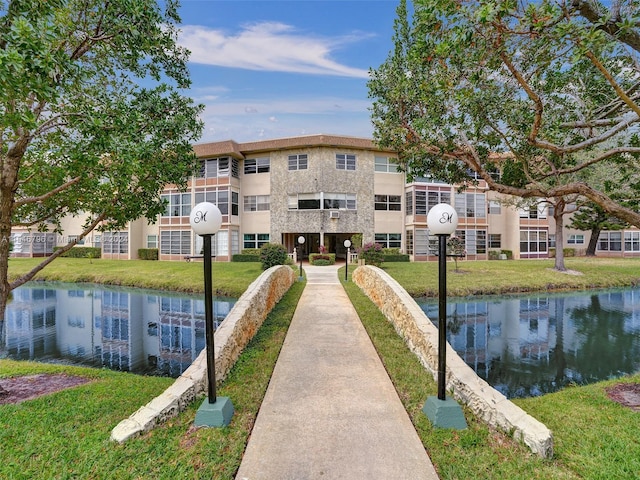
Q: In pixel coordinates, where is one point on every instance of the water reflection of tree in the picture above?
(455, 321)
(521, 378)
(607, 349)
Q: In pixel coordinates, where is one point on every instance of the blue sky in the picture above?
(271, 69)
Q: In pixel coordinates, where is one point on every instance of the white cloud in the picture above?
(268, 46)
(275, 107)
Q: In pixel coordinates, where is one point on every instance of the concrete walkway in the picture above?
(331, 411)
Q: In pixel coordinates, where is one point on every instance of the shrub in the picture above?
(316, 258)
(251, 251)
(390, 251)
(82, 252)
(508, 253)
(356, 241)
(494, 255)
(272, 254)
(371, 253)
(322, 262)
(148, 253)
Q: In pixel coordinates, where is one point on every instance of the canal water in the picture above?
(535, 344)
(140, 331)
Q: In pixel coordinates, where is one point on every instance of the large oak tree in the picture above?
(93, 116)
(542, 92)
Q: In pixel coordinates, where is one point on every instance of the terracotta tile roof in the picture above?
(241, 150)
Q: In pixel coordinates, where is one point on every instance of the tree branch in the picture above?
(34, 271)
(619, 91)
(40, 219)
(49, 194)
(589, 11)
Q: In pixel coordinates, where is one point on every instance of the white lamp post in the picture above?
(442, 221)
(347, 245)
(300, 243)
(205, 220)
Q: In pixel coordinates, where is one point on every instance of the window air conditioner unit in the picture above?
(334, 214)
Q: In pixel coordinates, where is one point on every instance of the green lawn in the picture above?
(513, 276)
(594, 437)
(230, 279)
(65, 435)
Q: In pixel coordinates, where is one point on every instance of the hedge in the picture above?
(568, 252)
(81, 252)
(328, 257)
(243, 257)
(508, 253)
(148, 253)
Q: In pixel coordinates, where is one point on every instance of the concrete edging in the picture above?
(422, 338)
(231, 337)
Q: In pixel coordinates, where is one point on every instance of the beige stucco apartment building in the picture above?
(325, 188)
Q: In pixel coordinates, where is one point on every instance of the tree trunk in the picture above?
(593, 241)
(558, 215)
(8, 185)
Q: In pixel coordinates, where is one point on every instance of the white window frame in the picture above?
(257, 165)
(632, 241)
(256, 240)
(471, 205)
(576, 239)
(257, 203)
(176, 242)
(298, 162)
(215, 196)
(392, 203)
(346, 161)
(389, 240)
(152, 241)
(609, 239)
(386, 164)
(177, 204)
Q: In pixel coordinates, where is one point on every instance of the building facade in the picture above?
(325, 188)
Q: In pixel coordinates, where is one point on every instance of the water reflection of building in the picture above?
(546, 342)
(127, 331)
(30, 323)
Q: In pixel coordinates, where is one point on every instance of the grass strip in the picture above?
(66, 434)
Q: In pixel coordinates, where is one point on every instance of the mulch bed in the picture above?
(27, 387)
(626, 394)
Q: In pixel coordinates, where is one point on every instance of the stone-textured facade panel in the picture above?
(321, 176)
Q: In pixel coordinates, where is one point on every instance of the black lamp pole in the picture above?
(347, 243)
(300, 243)
(205, 220)
(442, 314)
(208, 319)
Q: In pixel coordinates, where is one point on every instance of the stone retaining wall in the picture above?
(231, 337)
(422, 338)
